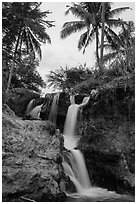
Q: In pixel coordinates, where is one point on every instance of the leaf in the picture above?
(72, 27)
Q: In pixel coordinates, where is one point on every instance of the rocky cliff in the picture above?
(30, 171)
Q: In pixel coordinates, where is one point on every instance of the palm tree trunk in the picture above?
(102, 35)
(12, 66)
(97, 42)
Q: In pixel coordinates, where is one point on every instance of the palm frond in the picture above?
(46, 38)
(107, 46)
(38, 30)
(115, 22)
(113, 38)
(111, 41)
(112, 33)
(110, 56)
(82, 40)
(47, 23)
(90, 38)
(116, 11)
(72, 27)
(35, 43)
(79, 12)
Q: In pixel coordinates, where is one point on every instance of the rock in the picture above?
(107, 132)
(29, 167)
(109, 150)
(7, 111)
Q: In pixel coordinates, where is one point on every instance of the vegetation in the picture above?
(119, 66)
(25, 75)
(122, 48)
(105, 125)
(119, 58)
(65, 79)
(90, 15)
(23, 30)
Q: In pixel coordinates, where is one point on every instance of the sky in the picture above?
(64, 52)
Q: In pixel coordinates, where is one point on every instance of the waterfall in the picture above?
(70, 139)
(30, 107)
(77, 170)
(69, 129)
(72, 99)
(75, 166)
(54, 108)
(32, 110)
(35, 112)
(82, 173)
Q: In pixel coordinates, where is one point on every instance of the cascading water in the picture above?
(72, 99)
(69, 129)
(32, 110)
(70, 139)
(35, 113)
(77, 171)
(30, 107)
(76, 167)
(54, 108)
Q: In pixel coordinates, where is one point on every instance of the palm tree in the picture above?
(102, 34)
(90, 19)
(122, 48)
(24, 29)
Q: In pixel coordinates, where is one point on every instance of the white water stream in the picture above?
(33, 111)
(54, 108)
(30, 107)
(76, 168)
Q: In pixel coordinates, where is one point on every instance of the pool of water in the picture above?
(103, 198)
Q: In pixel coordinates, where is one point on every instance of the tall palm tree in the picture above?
(122, 47)
(89, 14)
(102, 35)
(24, 28)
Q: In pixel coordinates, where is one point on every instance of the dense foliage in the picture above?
(25, 75)
(90, 21)
(23, 31)
(24, 27)
(66, 78)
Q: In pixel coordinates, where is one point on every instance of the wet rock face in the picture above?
(107, 170)
(107, 141)
(109, 150)
(30, 171)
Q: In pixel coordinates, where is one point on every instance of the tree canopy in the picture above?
(23, 30)
(90, 20)
(24, 27)
(66, 78)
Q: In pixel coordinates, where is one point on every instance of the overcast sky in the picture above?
(64, 52)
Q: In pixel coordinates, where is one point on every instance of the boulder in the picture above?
(30, 171)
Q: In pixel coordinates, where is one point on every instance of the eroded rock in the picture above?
(29, 161)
